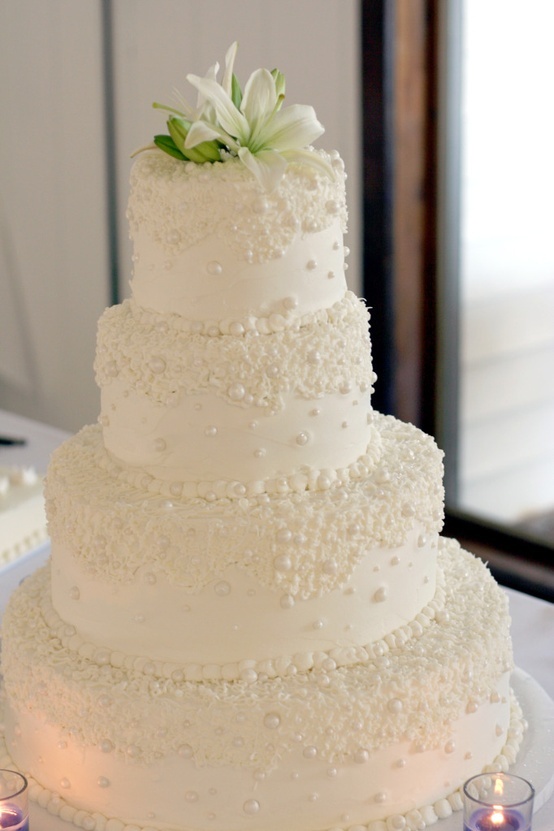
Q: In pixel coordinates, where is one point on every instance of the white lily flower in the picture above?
(252, 126)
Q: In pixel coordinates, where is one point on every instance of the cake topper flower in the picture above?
(252, 126)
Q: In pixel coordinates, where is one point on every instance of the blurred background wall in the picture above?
(77, 83)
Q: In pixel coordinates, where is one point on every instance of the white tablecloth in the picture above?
(532, 619)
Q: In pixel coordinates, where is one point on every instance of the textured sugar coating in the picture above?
(189, 202)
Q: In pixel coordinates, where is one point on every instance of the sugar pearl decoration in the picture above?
(302, 439)
(311, 265)
(380, 595)
(210, 431)
(272, 721)
(251, 806)
(103, 782)
(214, 268)
(222, 589)
(237, 392)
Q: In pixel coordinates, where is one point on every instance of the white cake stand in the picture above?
(535, 762)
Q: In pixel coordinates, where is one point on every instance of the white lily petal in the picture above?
(260, 97)
(227, 81)
(231, 119)
(201, 131)
(267, 166)
(206, 131)
(310, 157)
(292, 128)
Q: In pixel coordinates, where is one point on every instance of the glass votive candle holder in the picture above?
(497, 802)
(14, 801)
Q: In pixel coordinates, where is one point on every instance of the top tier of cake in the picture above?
(212, 246)
(242, 364)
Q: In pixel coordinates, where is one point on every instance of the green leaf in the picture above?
(236, 92)
(178, 130)
(210, 150)
(167, 144)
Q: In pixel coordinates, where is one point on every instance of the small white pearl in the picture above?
(222, 589)
(214, 268)
(236, 392)
(282, 563)
(272, 721)
(251, 806)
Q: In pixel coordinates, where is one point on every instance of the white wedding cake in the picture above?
(250, 621)
(22, 516)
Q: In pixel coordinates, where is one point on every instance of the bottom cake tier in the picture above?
(382, 744)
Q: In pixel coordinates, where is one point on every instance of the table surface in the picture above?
(532, 619)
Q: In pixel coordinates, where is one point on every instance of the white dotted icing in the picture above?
(325, 660)
(165, 362)
(179, 204)
(108, 516)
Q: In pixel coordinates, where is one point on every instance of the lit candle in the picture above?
(497, 818)
(497, 802)
(14, 801)
(12, 818)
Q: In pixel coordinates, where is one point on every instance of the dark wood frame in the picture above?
(405, 130)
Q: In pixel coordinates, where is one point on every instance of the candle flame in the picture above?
(498, 816)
